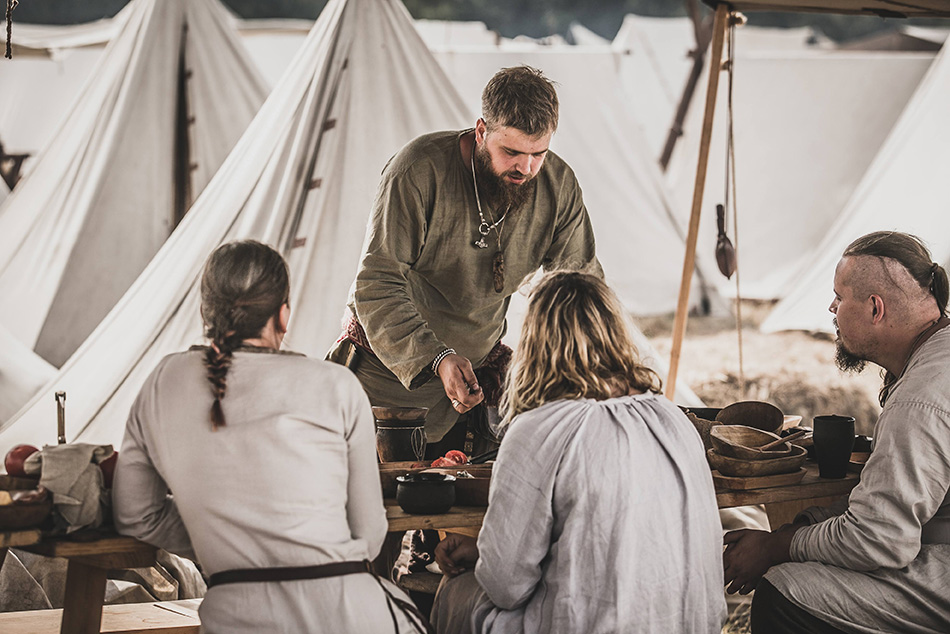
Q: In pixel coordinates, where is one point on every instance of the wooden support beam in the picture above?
(720, 24)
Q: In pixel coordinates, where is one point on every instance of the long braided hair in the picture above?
(244, 285)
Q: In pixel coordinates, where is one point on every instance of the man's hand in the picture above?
(460, 383)
(750, 553)
(456, 553)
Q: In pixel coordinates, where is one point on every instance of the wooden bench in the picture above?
(168, 617)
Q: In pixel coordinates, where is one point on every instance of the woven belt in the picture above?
(293, 573)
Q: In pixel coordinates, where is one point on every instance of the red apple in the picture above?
(13, 462)
(108, 468)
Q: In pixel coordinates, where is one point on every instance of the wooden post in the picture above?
(720, 23)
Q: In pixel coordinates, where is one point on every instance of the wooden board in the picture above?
(757, 482)
(811, 487)
(169, 617)
(11, 539)
(456, 517)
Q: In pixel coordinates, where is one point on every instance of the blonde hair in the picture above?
(574, 344)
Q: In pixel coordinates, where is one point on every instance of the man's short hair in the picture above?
(522, 98)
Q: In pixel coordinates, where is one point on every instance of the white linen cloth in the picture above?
(602, 517)
(881, 562)
(290, 480)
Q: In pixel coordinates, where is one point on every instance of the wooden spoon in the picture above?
(780, 441)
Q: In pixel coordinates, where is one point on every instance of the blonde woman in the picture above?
(602, 515)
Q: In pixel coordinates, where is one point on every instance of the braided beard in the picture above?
(500, 193)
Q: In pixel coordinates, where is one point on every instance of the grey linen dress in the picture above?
(291, 480)
(602, 518)
(881, 561)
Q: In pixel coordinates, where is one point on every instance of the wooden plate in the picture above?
(760, 482)
(728, 466)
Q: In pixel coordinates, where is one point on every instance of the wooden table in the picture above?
(781, 504)
(89, 562)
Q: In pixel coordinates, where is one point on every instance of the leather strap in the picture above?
(294, 573)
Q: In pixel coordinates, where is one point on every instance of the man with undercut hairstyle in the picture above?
(460, 219)
(879, 561)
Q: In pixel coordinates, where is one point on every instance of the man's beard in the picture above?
(846, 360)
(500, 193)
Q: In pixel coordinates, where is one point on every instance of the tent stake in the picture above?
(689, 262)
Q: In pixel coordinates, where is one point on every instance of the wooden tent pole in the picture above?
(689, 262)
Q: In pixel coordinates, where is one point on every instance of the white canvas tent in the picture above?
(302, 177)
(22, 374)
(638, 243)
(656, 62)
(807, 125)
(171, 95)
(906, 188)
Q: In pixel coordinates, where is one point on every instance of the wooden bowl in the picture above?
(739, 441)
(20, 513)
(703, 426)
(729, 466)
(757, 414)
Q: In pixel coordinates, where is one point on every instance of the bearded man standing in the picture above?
(460, 219)
(880, 560)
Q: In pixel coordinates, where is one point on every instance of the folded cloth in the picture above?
(72, 474)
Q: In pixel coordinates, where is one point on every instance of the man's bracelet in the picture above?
(439, 357)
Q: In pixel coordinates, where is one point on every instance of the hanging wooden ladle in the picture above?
(725, 252)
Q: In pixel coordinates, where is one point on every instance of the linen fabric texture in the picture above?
(422, 286)
(290, 480)
(602, 517)
(879, 561)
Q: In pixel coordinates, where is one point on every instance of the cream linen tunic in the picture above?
(602, 518)
(881, 562)
(423, 287)
(291, 480)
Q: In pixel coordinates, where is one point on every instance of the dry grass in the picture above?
(793, 370)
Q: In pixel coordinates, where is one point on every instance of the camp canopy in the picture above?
(173, 92)
(906, 189)
(880, 8)
(22, 374)
(807, 126)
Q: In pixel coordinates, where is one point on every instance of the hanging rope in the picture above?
(11, 5)
(730, 185)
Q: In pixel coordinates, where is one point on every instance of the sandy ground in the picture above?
(793, 370)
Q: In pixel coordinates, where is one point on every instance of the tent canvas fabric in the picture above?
(638, 241)
(905, 189)
(807, 125)
(101, 198)
(656, 62)
(22, 374)
(302, 177)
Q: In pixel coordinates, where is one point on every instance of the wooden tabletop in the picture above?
(811, 487)
(457, 517)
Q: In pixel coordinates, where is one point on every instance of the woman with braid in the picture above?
(270, 460)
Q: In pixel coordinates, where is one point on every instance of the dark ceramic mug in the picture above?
(834, 440)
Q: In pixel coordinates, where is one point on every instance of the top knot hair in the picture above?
(243, 286)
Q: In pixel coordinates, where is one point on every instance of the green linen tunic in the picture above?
(422, 286)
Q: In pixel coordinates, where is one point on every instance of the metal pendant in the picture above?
(480, 243)
(498, 272)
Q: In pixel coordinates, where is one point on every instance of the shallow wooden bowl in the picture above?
(21, 514)
(739, 441)
(729, 466)
(757, 414)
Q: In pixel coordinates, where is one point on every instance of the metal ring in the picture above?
(455, 403)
